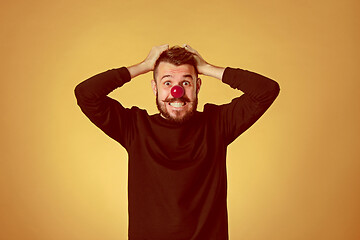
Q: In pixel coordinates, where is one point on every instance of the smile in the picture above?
(177, 104)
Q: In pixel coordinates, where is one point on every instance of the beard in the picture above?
(178, 118)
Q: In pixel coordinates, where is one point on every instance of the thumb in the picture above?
(188, 48)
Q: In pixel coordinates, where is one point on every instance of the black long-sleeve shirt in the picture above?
(177, 186)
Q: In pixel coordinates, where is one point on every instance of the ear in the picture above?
(153, 86)
(198, 85)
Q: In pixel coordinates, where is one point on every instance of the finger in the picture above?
(165, 47)
(190, 49)
(187, 47)
(162, 48)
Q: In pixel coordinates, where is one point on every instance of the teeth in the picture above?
(177, 104)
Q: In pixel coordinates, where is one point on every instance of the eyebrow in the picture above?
(184, 76)
(165, 77)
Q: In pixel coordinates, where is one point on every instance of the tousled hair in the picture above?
(176, 55)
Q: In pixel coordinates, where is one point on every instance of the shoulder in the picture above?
(211, 112)
(137, 112)
(213, 109)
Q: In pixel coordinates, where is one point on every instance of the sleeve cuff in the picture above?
(123, 75)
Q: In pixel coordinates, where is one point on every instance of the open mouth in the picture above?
(177, 104)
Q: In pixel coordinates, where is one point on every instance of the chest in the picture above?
(178, 145)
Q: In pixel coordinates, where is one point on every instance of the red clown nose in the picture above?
(177, 91)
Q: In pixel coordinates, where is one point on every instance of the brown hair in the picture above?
(176, 55)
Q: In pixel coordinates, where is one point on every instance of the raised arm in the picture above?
(237, 116)
(102, 84)
(246, 81)
(106, 113)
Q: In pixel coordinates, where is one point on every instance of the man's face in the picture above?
(169, 75)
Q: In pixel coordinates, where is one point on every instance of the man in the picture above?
(177, 186)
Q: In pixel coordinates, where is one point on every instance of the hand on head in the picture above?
(148, 64)
(157, 50)
(154, 54)
(200, 62)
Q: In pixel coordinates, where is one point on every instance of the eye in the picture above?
(167, 83)
(186, 83)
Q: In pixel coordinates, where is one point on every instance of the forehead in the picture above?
(165, 68)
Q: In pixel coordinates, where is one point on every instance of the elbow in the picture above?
(276, 88)
(271, 93)
(77, 91)
(80, 94)
(81, 91)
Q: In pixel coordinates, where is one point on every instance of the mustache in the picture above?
(182, 99)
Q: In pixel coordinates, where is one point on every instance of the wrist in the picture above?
(212, 71)
(138, 69)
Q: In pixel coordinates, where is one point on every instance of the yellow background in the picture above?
(294, 175)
